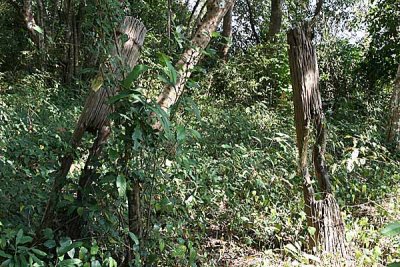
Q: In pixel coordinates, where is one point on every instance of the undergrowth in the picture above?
(230, 195)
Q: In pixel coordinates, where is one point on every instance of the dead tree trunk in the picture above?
(323, 215)
(226, 33)
(216, 10)
(94, 117)
(394, 121)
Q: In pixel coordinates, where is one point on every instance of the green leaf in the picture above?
(70, 262)
(25, 239)
(19, 236)
(50, 243)
(391, 229)
(311, 230)
(394, 264)
(94, 249)
(134, 74)
(80, 211)
(161, 244)
(39, 252)
(23, 260)
(5, 255)
(215, 34)
(180, 133)
(48, 233)
(38, 29)
(134, 238)
(121, 185)
(179, 251)
(67, 245)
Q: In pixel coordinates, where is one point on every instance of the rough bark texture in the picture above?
(275, 20)
(394, 121)
(216, 10)
(323, 215)
(227, 33)
(252, 22)
(94, 117)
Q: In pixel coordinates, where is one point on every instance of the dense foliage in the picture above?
(219, 183)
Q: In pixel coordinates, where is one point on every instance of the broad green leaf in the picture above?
(39, 252)
(50, 243)
(25, 239)
(70, 262)
(133, 75)
(23, 260)
(5, 255)
(121, 185)
(134, 238)
(19, 236)
(67, 246)
(94, 249)
(394, 264)
(391, 229)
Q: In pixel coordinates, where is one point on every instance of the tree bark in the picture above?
(394, 121)
(94, 117)
(72, 18)
(216, 10)
(191, 16)
(323, 215)
(226, 33)
(31, 24)
(252, 22)
(275, 19)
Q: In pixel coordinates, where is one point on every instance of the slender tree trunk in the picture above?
(226, 33)
(394, 121)
(31, 24)
(252, 22)
(323, 215)
(275, 20)
(94, 117)
(198, 19)
(216, 10)
(196, 5)
(169, 14)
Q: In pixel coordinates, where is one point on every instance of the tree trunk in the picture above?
(94, 117)
(191, 16)
(394, 121)
(275, 20)
(31, 24)
(72, 40)
(198, 19)
(216, 10)
(226, 33)
(323, 215)
(252, 22)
